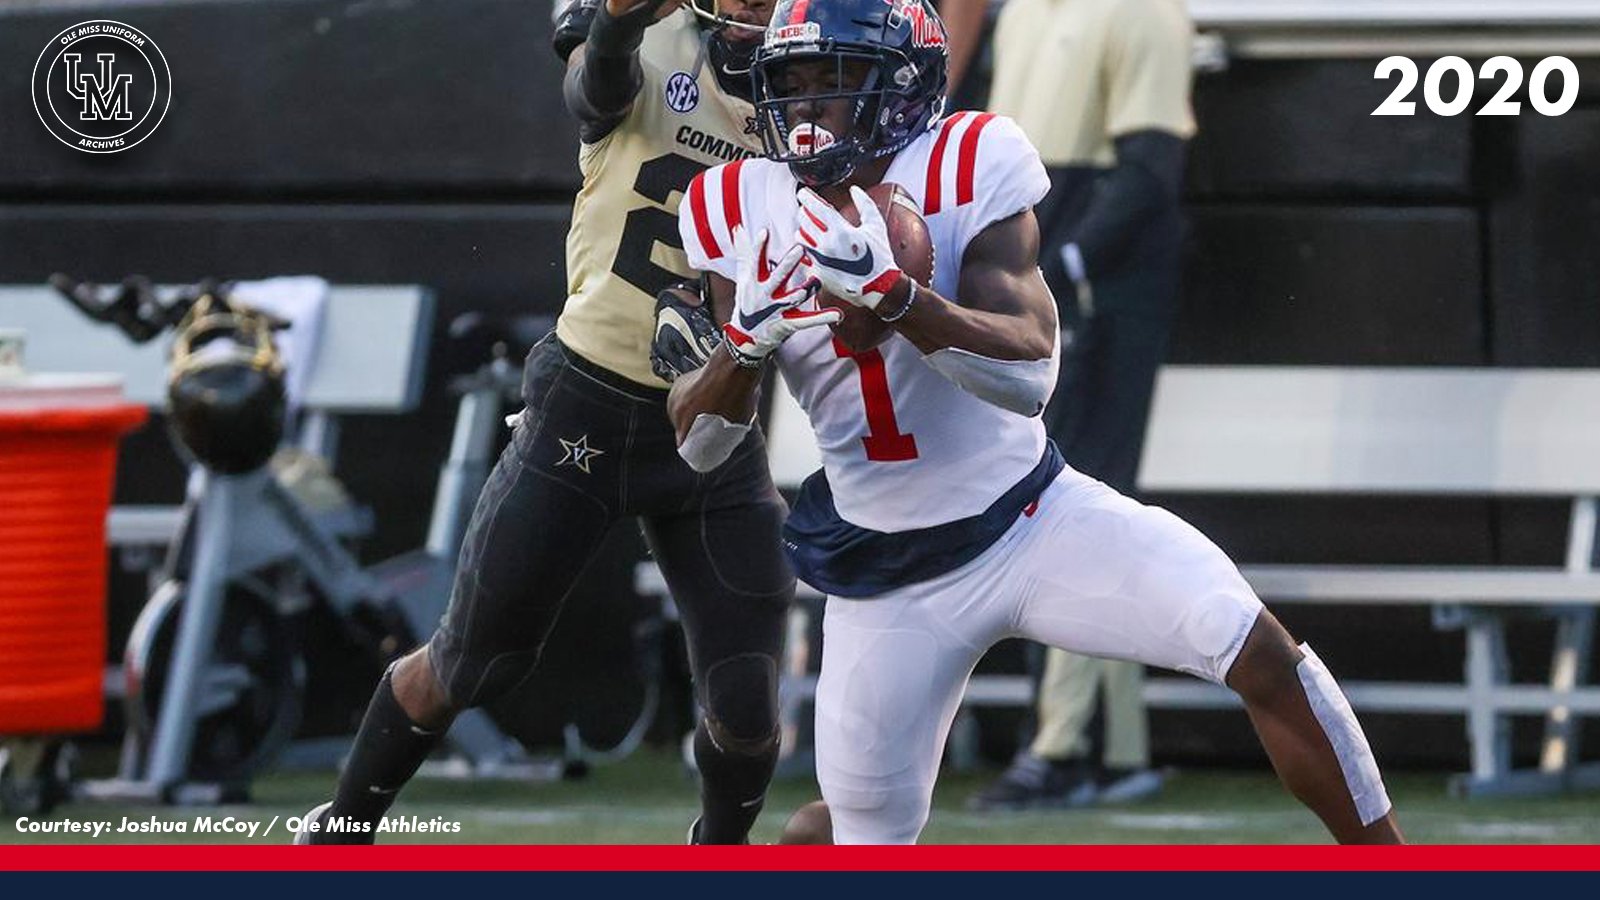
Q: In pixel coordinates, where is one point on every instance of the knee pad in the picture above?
(1350, 745)
(740, 700)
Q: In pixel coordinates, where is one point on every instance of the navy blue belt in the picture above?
(845, 560)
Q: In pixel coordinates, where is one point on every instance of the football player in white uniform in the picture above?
(943, 520)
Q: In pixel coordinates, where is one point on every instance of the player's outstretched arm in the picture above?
(603, 72)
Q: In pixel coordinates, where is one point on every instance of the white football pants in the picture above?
(1089, 571)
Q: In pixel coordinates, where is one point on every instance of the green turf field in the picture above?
(649, 799)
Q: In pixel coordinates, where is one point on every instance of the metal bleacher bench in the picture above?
(1373, 431)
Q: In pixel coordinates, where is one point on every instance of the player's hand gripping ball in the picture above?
(859, 252)
(768, 298)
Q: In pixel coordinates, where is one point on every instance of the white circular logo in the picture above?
(101, 86)
(683, 94)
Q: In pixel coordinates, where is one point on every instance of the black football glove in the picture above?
(572, 20)
(685, 332)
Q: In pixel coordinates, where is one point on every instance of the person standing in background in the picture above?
(1101, 87)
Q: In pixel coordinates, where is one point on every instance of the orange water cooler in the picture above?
(58, 452)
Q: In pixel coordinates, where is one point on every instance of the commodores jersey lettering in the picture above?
(623, 247)
(903, 447)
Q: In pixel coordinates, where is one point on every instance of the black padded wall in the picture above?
(421, 97)
(1296, 284)
(1304, 129)
(1545, 244)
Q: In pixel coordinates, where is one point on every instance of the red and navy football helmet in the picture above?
(903, 93)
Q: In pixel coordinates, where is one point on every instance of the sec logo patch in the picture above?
(683, 94)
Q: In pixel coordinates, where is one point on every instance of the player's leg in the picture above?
(1118, 579)
(532, 532)
(894, 668)
(724, 564)
(1311, 734)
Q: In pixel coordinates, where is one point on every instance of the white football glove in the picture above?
(767, 299)
(852, 262)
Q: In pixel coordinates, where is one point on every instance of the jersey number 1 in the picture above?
(884, 442)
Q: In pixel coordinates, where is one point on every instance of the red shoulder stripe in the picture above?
(702, 221)
(730, 195)
(967, 162)
(936, 165)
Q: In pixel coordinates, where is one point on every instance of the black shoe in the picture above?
(1033, 782)
(1127, 785)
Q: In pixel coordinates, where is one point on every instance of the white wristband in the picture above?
(710, 441)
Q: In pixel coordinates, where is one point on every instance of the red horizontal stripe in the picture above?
(134, 858)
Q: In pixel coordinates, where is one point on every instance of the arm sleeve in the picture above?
(711, 204)
(1148, 68)
(603, 79)
(572, 21)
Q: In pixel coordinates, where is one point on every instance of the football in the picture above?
(861, 329)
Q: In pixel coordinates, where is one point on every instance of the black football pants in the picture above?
(590, 448)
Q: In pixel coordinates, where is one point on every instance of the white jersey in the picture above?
(902, 446)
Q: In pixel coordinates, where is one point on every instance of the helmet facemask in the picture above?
(886, 111)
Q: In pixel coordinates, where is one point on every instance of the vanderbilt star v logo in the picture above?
(577, 453)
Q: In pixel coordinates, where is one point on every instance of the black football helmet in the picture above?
(903, 93)
(226, 399)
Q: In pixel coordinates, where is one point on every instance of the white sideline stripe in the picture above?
(1175, 821)
(569, 814)
(1518, 830)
